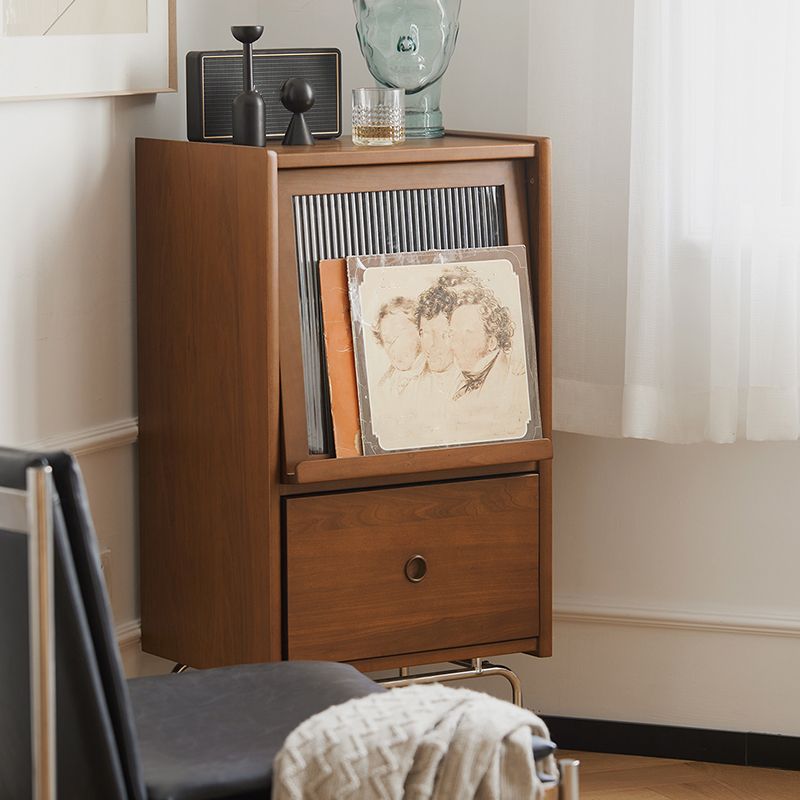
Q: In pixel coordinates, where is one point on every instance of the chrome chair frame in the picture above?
(568, 784)
(30, 512)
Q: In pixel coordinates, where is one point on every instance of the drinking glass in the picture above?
(378, 116)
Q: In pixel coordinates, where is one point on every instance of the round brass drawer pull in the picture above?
(416, 568)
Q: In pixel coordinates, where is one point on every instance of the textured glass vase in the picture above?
(408, 46)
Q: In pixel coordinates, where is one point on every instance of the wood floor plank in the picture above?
(627, 794)
(604, 762)
(642, 777)
(755, 783)
(702, 790)
(613, 777)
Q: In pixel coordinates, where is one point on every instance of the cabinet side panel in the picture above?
(207, 403)
(539, 201)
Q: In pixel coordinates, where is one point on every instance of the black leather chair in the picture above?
(200, 734)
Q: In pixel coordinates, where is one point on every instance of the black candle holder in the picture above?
(248, 111)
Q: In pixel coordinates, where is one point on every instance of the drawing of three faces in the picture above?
(462, 338)
(448, 325)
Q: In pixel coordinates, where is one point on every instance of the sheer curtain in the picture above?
(712, 340)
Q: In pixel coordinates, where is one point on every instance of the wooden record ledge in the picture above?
(323, 470)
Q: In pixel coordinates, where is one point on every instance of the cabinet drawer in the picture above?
(349, 590)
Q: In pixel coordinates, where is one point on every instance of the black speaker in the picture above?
(214, 79)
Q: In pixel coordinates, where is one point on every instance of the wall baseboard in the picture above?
(667, 741)
(573, 610)
(120, 433)
(129, 634)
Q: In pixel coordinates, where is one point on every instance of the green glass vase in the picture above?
(408, 45)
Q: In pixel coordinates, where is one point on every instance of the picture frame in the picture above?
(75, 63)
(444, 347)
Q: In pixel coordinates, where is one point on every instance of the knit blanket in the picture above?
(413, 743)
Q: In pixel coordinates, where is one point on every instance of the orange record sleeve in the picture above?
(338, 333)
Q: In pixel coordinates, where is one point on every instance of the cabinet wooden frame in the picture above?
(218, 310)
(507, 173)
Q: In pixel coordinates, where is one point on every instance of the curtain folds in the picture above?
(712, 346)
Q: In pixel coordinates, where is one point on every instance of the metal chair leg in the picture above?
(569, 781)
(178, 668)
(477, 668)
(484, 668)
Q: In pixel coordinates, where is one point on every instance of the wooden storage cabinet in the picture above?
(348, 596)
(253, 547)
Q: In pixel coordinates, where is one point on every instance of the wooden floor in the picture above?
(610, 777)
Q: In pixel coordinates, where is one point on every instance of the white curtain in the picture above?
(712, 339)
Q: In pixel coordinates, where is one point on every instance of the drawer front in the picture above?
(350, 593)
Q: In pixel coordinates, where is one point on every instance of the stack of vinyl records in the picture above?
(334, 226)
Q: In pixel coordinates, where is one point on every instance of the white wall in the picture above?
(676, 594)
(67, 316)
(676, 583)
(490, 61)
(675, 566)
(676, 586)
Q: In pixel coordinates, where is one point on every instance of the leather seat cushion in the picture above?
(214, 733)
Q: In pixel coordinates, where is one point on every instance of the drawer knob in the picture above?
(416, 568)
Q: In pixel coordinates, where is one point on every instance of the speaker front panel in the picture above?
(214, 79)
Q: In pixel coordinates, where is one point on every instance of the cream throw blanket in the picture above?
(413, 743)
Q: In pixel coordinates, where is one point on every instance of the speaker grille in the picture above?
(222, 82)
(370, 223)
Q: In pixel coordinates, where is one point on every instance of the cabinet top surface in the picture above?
(455, 146)
(452, 147)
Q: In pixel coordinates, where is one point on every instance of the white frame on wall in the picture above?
(103, 65)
